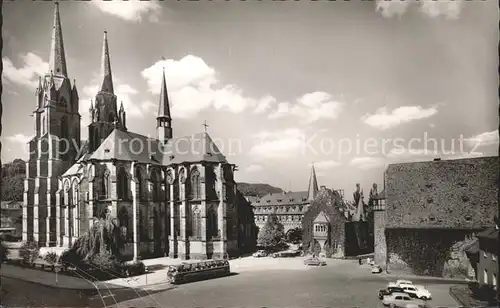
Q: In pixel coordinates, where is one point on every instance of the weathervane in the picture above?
(205, 125)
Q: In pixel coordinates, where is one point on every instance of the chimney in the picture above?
(437, 159)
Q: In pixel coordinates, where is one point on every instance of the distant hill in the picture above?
(12, 180)
(257, 189)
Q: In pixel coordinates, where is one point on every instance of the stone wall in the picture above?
(435, 252)
(455, 194)
(380, 245)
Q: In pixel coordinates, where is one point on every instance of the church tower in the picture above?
(104, 115)
(313, 185)
(54, 147)
(163, 120)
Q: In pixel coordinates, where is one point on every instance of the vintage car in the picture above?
(286, 254)
(398, 299)
(416, 291)
(314, 262)
(389, 291)
(259, 254)
(376, 269)
(188, 272)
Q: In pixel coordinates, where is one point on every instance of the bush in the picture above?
(105, 261)
(29, 252)
(52, 258)
(135, 268)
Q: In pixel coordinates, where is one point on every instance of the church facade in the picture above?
(170, 196)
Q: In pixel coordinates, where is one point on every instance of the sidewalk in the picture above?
(49, 279)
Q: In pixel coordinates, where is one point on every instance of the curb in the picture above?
(452, 280)
(454, 297)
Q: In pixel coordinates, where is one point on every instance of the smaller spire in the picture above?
(121, 107)
(313, 185)
(91, 105)
(164, 105)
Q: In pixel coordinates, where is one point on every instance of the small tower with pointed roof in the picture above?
(163, 119)
(313, 185)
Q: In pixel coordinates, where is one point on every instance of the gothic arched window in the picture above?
(122, 184)
(139, 179)
(213, 230)
(124, 222)
(104, 185)
(155, 182)
(196, 222)
(195, 184)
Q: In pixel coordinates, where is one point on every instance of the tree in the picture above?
(104, 237)
(294, 235)
(257, 190)
(12, 180)
(272, 233)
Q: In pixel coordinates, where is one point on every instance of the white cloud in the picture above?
(19, 138)
(279, 144)
(325, 164)
(449, 9)
(310, 107)
(130, 10)
(367, 162)
(193, 86)
(27, 75)
(384, 120)
(254, 168)
(484, 139)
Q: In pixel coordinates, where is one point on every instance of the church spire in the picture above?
(107, 80)
(57, 60)
(163, 106)
(313, 185)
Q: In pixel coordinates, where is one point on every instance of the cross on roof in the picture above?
(205, 125)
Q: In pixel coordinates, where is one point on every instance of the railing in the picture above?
(188, 272)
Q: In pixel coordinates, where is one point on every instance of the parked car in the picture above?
(376, 269)
(259, 254)
(286, 254)
(416, 291)
(402, 300)
(389, 291)
(314, 262)
(398, 283)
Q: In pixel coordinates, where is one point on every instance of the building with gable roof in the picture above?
(172, 196)
(289, 207)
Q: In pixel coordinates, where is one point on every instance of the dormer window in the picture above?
(291, 200)
(268, 201)
(279, 200)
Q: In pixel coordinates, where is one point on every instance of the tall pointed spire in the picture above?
(107, 80)
(164, 105)
(57, 59)
(313, 185)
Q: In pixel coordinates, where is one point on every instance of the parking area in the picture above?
(286, 282)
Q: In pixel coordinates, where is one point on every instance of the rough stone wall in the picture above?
(428, 252)
(380, 245)
(460, 194)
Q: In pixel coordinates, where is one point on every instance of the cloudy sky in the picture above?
(350, 86)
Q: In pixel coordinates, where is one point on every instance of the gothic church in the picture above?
(170, 196)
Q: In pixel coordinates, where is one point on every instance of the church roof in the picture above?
(195, 148)
(129, 146)
(313, 185)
